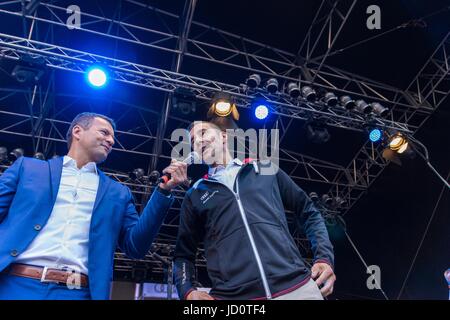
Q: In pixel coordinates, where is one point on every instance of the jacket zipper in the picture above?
(249, 234)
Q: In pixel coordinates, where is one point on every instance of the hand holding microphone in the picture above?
(176, 173)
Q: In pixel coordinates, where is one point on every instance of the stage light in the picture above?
(363, 106)
(39, 155)
(339, 202)
(398, 143)
(314, 196)
(327, 200)
(293, 90)
(29, 70)
(15, 154)
(379, 110)
(397, 149)
(137, 174)
(271, 85)
(309, 93)
(3, 155)
(330, 99)
(223, 106)
(261, 111)
(253, 81)
(375, 135)
(317, 133)
(184, 101)
(97, 77)
(347, 102)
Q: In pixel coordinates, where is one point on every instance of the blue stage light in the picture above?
(261, 111)
(375, 135)
(97, 77)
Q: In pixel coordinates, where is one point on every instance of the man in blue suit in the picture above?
(61, 220)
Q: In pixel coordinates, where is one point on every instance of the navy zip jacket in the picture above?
(211, 213)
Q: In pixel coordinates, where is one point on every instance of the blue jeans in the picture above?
(20, 288)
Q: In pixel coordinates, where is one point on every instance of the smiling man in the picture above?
(239, 214)
(61, 220)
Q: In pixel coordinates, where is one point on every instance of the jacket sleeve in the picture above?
(8, 186)
(186, 249)
(309, 217)
(137, 233)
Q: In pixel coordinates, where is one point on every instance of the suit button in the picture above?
(14, 253)
(37, 227)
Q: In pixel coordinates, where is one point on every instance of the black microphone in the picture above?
(190, 159)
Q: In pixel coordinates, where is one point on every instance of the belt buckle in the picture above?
(44, 274)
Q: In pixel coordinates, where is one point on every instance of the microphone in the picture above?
(190, 159)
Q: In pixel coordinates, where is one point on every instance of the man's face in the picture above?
(208, 141)
(97, 141)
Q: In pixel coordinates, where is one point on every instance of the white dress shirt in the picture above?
(63, 241)
(226, 175)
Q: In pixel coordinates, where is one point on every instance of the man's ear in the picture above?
(76, 132)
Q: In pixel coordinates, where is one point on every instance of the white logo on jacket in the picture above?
(206, 196)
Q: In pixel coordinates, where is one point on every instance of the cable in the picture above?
(344, 228)
(421, 242)
(411, 23)
(426, 157)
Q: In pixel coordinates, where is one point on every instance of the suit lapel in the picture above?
(103, 185)
(55, 175)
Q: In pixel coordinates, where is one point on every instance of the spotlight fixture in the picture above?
(330, 99)
(137, 174)
(314, 196)
(293, 90)
(317, 132)
(397, 149)
(271, 85)
(309, 93)
(184, 101)
(39, 155)
(375, 135)
(339, 202)
(15, 154)
(347, 102)
(261, 111)
(363, 106)
(29, 70)
(398, 143)
(3, 155)
(222, 106)
(379, 110)
(327, 200)
(97, 76)
(253, 81)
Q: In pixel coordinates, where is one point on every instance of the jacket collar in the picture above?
(56, 166)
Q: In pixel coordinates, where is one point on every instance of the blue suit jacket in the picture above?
(28, 191)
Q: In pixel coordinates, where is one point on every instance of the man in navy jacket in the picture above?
(239, 214)
(61, 220)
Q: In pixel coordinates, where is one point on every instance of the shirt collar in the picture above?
(70, 162)
(217, 169)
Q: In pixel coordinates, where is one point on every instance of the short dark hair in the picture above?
(223, 123)
(84, 120)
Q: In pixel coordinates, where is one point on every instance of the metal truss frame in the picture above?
(432, 87)
(182, 37)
